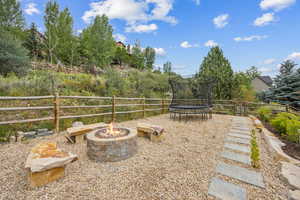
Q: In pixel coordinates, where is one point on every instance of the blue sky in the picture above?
(262, 33)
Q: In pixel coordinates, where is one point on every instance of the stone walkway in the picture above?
(236, 149)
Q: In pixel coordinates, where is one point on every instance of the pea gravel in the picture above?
(180, 168)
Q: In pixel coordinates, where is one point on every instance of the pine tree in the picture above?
(287, 85)
(97, 43)
(33, 43)
(217, 68)
(149, 54)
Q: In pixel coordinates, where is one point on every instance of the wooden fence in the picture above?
(56, 108)
(161, 105)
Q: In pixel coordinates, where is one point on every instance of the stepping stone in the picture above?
(224, 190)
(240, 132)
(241, 174)
(238, 140)
(236, 157)
(237, 147)
(239, 135)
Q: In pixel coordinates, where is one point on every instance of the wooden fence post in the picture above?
(287, 108)
(56, 112)
(162, 106)
(113, 109)
(144, 102)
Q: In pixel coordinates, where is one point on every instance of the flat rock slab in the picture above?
(240, 128)
(239, 135)
(227, 191)
(236, 157)
(240, 132)
(291, 174)
(238, 140)
(241, 174)
(294, 195)
(237, 147)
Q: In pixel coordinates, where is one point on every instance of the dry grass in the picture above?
(178, 168)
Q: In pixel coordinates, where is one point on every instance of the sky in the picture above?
(261, 33)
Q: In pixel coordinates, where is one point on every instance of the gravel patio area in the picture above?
(181, 167)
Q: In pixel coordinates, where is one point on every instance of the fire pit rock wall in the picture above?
(111, 149)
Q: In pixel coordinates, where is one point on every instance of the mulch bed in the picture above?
(292, 149)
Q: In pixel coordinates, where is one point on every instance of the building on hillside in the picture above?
(120, 44)
(262, 83)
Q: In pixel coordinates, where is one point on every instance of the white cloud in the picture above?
(269, 61)
(143, 28)
(294, 56)
(186, 44)
(276, 5)
(264, 20)
(250, 38)
(120, 37)
(197, 2)
(79, 31)
(210, 43)
(160, 51)
(265, 69)
(221, 21)
(31, 9)
(132, 11)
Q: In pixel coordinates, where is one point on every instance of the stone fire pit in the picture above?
(105, 147)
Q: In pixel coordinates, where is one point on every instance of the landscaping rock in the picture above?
(47, 133)
(238, 140)
(236, 157)
(294, 195)
(46, 156)
(77, 124)
(30, 134)
(239, 135)
(241, 174)
(291, 174)
(224, 190)
(42, 130)
(236, 147)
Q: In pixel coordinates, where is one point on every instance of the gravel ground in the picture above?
(181, 167)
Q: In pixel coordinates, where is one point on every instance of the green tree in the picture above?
(149, 54)
(67, 44)
(97, 43)
(13, 56)
(252, 73)
(11, 17)
(51, 22)
(167, 68)
(137, 56)
(121, 56)
(217, 68)
(33, 43)
(287, 67)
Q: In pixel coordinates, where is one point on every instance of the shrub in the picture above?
(281, 121)
(13, 56)
(292, 130)
(265, 113)
(254, 151)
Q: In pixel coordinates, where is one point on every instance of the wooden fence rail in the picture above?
(56, 107)
(161, 105)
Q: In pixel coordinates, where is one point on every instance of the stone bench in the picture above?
(153, 132)
(46, 163)
(76, 134)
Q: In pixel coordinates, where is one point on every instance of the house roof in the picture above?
(266, 79)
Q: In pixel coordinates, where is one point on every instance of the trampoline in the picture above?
(190, 101)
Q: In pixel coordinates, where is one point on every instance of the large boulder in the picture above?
(46, 156)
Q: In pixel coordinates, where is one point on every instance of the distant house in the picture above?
(120, 44)
(262, 83)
